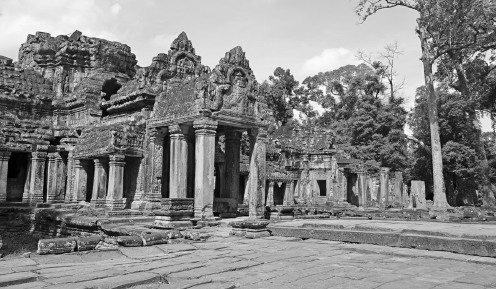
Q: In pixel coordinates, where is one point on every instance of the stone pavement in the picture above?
(231, 262)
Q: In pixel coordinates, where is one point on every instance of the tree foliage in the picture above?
(367, 124)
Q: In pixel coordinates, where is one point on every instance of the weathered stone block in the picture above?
(130, 241)
(152, 238)
(88, 243)
(256, 233)
(56, 246)
(178, 204)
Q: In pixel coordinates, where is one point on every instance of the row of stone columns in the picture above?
(67, 180)
(205, 130)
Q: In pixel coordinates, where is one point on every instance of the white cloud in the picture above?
(115, 8)
(329, 59)
(145, 51)
(55, 17)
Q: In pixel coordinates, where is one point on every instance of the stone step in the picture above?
(478, 245)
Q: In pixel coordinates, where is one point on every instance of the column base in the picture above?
(99, 203)
(204, 213)
(115, 204)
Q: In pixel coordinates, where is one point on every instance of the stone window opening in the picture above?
(322, 187)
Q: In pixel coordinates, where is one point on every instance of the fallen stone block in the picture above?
(88, 243)
(154, 238)
(130, 241)
(56, 246)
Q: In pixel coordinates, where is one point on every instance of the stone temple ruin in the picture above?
(81, 122)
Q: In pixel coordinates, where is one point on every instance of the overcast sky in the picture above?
(306, 36)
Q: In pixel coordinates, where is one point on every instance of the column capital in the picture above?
(52, 156)
(100, 161)
(205, 126)
(157, 134)
(117, 159)
(38, 155)
(271, 183)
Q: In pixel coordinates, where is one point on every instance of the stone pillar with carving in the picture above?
(100, 179)
(26, 196)
(80, 179)
(37, 176)
(252, 135)
(60, 178)
(342, 185)
(178, 162)
(4, 168)
(362, 188)
(398, 187)
(52, 177)
(70, 192)
(154, 195)
(270, 195)
(115, 192)
(205, 130)
(383, 197)
(258, 175)
(232, 156)
(288, 194)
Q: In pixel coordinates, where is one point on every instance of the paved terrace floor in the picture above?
(230, 262)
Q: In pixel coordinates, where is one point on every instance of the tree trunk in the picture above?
(437, 158)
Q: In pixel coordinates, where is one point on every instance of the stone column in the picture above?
(52, 177)
(417, 193)
(26, 196)
(398, 187)
(362, 188)
(288, 194)
(270, 195)
(4, 168)
(37, 176)
(342, 185)
(115, 190)
(61, 176)
(70, 192)
(334, 183)
(232, 156)
(178, 162)
(205, 130)
(99, 191)
(80, 179)
(154, 195)
(257, 176)
(383, 197)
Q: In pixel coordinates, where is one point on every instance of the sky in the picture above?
(305, 36)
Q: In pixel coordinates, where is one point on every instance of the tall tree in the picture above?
(276, 93)
(366, 125)
(436, 23)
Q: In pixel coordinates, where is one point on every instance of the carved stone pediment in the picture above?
(230, 86)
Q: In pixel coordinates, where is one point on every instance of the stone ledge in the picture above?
(409, 239)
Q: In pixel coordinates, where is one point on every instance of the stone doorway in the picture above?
(279, 189)
(352, 189)
(17, 176)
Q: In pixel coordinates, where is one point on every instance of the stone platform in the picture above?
(471, 239)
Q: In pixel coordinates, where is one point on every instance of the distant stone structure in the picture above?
(80, 121)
